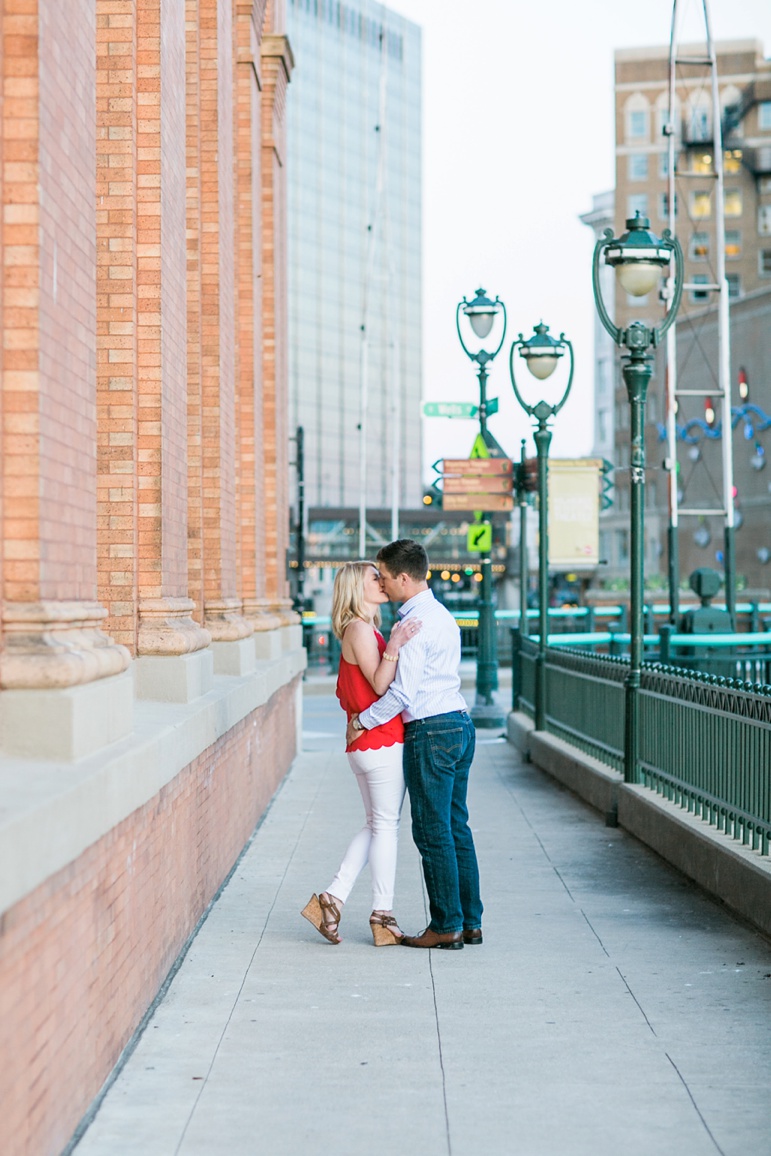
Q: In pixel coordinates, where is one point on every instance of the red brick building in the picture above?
(150, 661)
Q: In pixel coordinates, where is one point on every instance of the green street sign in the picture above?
(479, 448)
(479, 539)
(492, 406)
(449, 409)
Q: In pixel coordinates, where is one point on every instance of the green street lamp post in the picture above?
(481, 312)
(523, 560)
(541, 353)
(640, 259)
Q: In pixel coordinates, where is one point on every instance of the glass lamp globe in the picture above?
(481, 313)
(638, 279)
(542, 366)
(481, 323)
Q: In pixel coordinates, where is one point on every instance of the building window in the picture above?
(637, 166)
(637, 124)
(732, 161)
(664, 206)
(637, 203)
(702, 163)
(699, 294)
(698, 124)
(623, 545)
(764, 262)
(734, 284)
(733, 202)
(664, 165)
(764, 116)
(698, 250)
(701, 205)
(733, 243)
(764, 220)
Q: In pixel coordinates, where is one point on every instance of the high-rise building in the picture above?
(642, 132)
(354, 225)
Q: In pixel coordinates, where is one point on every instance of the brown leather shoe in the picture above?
(451, 941)
(472, 936)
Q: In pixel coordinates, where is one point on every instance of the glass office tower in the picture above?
(354, 205)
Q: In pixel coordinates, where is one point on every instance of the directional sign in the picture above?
(449, 409)
(502, 484)
(479, 539)
(478, 483)
(480, 501)
(477, 467)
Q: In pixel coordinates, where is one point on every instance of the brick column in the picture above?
(165, 624)
(51, 615)
(212, 381)
(277, 64)
(250, 17)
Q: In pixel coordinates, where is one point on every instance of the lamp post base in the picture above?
(488, 715)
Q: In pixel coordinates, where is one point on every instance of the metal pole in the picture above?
(300, 599)
(542, 442)
(523, 560)
(637, 374)
(486, 711)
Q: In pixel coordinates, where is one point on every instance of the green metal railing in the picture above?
(705, 743)
(705, 740)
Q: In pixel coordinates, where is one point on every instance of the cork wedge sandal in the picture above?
(324, 914)
(382, 929)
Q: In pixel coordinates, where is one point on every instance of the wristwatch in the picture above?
(357, 724)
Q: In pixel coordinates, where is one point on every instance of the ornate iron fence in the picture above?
(705, 743)
(705, 740)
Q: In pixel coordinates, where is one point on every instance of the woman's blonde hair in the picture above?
(348, 596)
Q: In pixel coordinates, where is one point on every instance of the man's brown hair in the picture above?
(405, 557)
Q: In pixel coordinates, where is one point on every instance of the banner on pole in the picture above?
(574, 513)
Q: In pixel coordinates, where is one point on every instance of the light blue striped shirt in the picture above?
(427, 679)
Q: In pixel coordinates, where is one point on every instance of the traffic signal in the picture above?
(527, 475)
(606, 493)
(432, 498)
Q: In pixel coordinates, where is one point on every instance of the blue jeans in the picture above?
(438, 752)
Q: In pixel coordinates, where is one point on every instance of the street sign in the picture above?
(479, 539)
(449, 409)
(477, 484)
(479, 448)
(481, 501)
(477, 467)
(502, 484)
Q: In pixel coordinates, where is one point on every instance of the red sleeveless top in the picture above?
(356, 695)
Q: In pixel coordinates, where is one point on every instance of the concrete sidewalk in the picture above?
(613, 1008)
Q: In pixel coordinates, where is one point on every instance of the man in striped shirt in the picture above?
(438, 749)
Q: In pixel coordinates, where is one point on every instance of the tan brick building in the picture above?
(150, 661)
(641, 107)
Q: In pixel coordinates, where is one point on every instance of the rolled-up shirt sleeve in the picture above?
(401, 692)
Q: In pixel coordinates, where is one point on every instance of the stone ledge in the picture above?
(52, 811)
(738, 876)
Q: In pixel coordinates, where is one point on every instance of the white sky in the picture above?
(518, 136)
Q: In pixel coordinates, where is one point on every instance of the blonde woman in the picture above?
(367, 669)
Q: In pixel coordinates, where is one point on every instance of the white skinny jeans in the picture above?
(380, 777)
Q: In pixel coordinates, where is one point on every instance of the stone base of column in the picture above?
(263, 614)
(66, 723)
(167, 628)
(52, 644)
(234, 658)
(174, 678)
